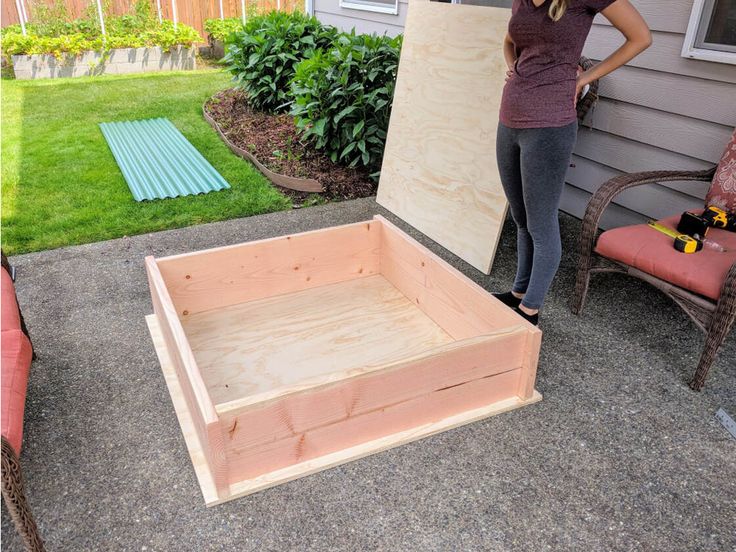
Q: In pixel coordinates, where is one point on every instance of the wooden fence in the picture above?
(190, 12)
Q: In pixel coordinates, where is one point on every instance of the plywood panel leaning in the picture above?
(294, 354)
(439, 170)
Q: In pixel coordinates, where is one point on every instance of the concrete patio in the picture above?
(620, 454)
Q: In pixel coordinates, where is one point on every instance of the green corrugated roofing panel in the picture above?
(157, 161)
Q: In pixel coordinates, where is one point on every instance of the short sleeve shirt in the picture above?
(541, 91)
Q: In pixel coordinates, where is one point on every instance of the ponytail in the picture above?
(557, 9)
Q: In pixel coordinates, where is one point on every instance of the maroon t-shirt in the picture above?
(541, 90)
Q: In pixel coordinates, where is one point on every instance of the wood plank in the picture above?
(574, 201)
(660, 15)
(192, 435)
(683, 135)
(303, 469)
(430, 408)
(630, 156)
(263, 348)
(662, 55)
(652, 200)
(452, 300)
(177, 342)
(201, 411)
(708, 100)
(528, 376)
(439, 170)
(234, 274)
(312, 407)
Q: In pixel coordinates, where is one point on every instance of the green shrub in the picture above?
(221, 29)
(122, 32)
(342, 98)
(263, 56)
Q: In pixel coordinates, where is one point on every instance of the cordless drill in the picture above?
(718, 218)
(696, 226)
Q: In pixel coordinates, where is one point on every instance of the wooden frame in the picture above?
(293, 354)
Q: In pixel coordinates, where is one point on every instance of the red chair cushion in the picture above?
(10, 316)
(722, 192)
(652, 252)
(15, 362)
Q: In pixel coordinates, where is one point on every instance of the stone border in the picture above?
(121, 61)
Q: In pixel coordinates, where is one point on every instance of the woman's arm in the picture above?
(629, 21)
(509, 52)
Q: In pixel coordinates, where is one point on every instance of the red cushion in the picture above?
(652, 252)
(15, 361)
(722, 191)
(10, 317)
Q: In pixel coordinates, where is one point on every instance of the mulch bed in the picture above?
(274, 141)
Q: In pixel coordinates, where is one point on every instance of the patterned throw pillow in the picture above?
(722, 191)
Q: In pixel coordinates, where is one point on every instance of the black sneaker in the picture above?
(508, 299)
(533, 318)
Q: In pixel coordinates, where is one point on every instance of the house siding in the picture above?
(330, 12)
(660, 111)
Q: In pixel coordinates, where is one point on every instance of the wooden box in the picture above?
(289, 355)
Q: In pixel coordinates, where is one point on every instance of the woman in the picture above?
(538, 123)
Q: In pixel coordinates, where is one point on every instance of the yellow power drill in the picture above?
(718, 218)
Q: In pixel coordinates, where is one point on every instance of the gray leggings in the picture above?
(532, 163)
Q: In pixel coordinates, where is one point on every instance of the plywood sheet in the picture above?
(439, 169)
(259, 346)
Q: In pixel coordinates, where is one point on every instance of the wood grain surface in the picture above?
(258, 346)
(289, 473)
(233, 274)
(439, 169)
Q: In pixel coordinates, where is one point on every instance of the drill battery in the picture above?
(697, 225)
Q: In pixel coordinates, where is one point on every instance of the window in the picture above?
(711, 34)
(381, 6)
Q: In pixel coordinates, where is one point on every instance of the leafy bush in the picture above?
(343, 97)
(221, 29)
(263, 56)
(51, 34)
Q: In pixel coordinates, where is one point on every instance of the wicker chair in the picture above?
(715, 318)
(14, 496)
(589, 100)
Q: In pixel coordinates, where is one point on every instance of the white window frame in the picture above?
(367, 5)
(690, 50)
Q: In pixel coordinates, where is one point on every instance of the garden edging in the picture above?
(120, 61)
(289, 182)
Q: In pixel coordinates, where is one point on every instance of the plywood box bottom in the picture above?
(294, 354)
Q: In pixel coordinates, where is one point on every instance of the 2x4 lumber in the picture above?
(314, 406)
(452, 300)
(302, 469)
(429, 408)
(245, 272)
(202, 411)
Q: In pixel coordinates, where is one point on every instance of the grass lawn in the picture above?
(60, 183)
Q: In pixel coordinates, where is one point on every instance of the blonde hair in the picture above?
(557, 9)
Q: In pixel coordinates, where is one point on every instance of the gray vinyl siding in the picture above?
(330, 12)
(661, 111)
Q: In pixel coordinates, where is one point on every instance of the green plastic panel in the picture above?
(157, 161)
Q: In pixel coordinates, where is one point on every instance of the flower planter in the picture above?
(122, 61)
(294, 354)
